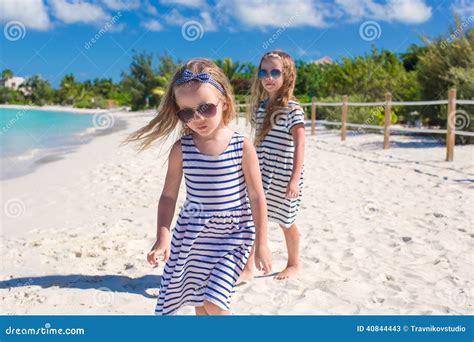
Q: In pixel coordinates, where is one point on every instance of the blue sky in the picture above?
(55, 37)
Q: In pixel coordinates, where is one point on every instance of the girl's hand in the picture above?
(263, 258)
(292, 190)
(159, 248)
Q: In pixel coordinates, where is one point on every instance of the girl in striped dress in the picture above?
(225, 209)
(278, 123)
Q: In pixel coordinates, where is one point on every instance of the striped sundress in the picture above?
(214, 232)
(275, 155)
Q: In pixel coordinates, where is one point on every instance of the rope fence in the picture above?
(450, 131)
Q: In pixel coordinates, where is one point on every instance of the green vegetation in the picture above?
(423, 72)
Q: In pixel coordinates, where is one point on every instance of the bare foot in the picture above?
(289, 272)
(245, 276)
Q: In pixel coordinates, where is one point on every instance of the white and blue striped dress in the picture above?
(275, 154)
(214, 232)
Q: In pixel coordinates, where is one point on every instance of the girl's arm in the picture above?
(167, 205)
(298, 156)
(253, 180)
(297, 132)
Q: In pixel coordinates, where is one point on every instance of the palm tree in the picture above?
(68, 89)
(38, 90)
(230, 68)
(103, 86)
(166, 69)
(7, 74)
(161, 84)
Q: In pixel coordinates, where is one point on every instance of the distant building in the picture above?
(324, 60)
(12, 83)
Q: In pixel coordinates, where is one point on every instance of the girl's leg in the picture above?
(213, 309)
(292, 238)
(247, 273)
(200, 311)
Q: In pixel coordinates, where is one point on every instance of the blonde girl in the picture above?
(225, 209)
(278, 123)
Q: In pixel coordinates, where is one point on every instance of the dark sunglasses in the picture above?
(207, 110)
(274, 73)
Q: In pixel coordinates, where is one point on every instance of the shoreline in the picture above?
(106, 122)
(59, 108)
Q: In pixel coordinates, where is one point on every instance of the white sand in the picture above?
(382, 231)
(58, 108)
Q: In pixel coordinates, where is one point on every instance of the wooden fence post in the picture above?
(451, 125)
(313, 115)
(386, 127)
(247, 114)
(344, 118)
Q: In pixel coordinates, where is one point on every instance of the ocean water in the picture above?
(30, 137)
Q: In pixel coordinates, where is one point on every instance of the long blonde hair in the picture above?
(165, 121)
(279, 103)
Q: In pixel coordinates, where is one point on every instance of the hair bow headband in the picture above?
(188, 75)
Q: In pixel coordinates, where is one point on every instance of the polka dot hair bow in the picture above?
(188, 75)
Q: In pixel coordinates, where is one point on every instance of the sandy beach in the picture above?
(58, 108)
(382, 231)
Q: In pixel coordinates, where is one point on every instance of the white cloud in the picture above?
(276, 13)
(356, 10)
(463, 8)
(118, 5)
(149, 8)
(175, 18)
(208, 22)
(408, 11)
(152, 25)
(115, 26)
(185, 3)
(404, 11)
(77, 11)
(32, 13)
(263, 14)
(225, 14)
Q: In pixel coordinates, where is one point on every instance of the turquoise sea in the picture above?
(29, 137)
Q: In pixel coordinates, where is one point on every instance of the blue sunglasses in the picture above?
(274, 73)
